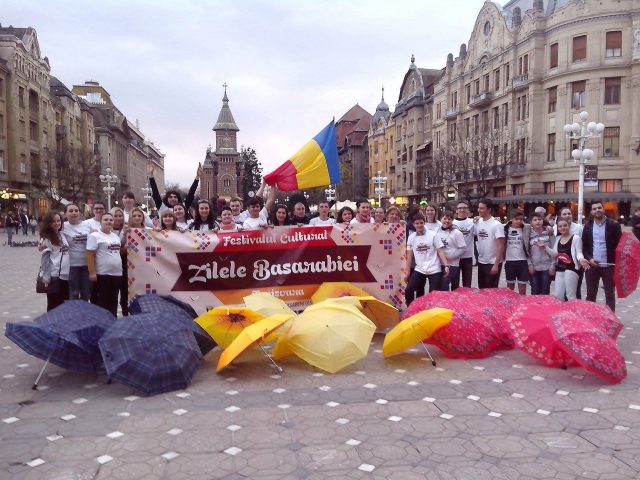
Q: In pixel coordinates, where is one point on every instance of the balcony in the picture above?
(517, 169)
(451, 113)
(480, 100)
(61, 131)
(392, 169)
(520, 81)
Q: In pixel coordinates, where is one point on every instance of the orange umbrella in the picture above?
(252, 336)
(225, 323)
(383, 314)
(337, 289)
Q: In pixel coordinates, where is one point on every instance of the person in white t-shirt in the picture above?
(428, 251)
(323, 217)
(431, 221)
(183, 222)
(105, 264)
(54, 263)
(128, 204)
(227, 225)
(239, 215)
(98, 208)
(465, 224)
(516, 256)
(205, 220)
(257, 216)
(363, 212)
(491, 245)
(76, 232)
(454, 248)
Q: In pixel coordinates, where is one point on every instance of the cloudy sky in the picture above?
(291, 65)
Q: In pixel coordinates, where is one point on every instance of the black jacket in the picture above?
(612, 233)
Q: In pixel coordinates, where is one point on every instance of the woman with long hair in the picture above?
(136, 218)
(394, 215)
(118, 220)
(183, 219)
(76, 232)
(120, 229)
(204, 221)
(167, 221)
(54, 263)
(568, 252)
(280, 216)
(431, 218)
(345, 215)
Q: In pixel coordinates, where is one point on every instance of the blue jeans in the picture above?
(9, 235)
(79, 285)
(540, 283)
(448, 280)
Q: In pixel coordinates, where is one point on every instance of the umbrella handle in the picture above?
(278, 367)
(35, 384)
(433, 362)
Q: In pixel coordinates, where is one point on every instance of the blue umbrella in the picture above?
(185, 313)
(151, 353)
(66, 336)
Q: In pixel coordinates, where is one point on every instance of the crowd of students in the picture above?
(87, 257)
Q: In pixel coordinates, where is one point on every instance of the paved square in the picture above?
(504, 417)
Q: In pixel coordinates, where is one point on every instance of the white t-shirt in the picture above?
(515, 246)
(317, 221)
(466, 228)
(433, 227)
(184, 225)
(76, 236)
(241, 217)
(574, 229)
(424, 248)
(254, 223)
(107, 248)
(488, 231)
(93, 224)
(454, 244)
(234, 228)
(355, 220)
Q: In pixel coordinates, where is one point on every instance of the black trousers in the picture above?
(466, 271)
(417, 281)
(124, 288)
(107, 288)
(58, 299)
(485, 279)
(593, 276)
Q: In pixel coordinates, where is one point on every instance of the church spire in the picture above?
(225, 118)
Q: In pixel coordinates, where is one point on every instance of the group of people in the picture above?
(532, 253)
(87, 257)
(16, 221)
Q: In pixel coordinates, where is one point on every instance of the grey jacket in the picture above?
(541, 258)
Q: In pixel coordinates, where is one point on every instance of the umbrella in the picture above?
(383, 314)
(328, 335)
(337, 289)
(152, 303)
(532, 334)
(538, 300)
(267, 305)
(598, 314)
(224, 324)
(151, 353)
(66, 336)
(627, 270)
(415, 329)
(252, 336)
(592, 349)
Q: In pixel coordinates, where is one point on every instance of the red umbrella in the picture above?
(627, 269)
(598, 314)
(531, 332)
(542, 300)
(591, 348)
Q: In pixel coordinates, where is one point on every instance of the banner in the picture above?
(207, 269)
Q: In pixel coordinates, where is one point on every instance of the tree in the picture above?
(252, 171)
(71, 174)
(178, 188)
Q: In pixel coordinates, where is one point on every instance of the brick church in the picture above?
(222, 167)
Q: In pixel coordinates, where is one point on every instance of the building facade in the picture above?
(222, 166)
(531, 67)
(353, 153)
(381, 151)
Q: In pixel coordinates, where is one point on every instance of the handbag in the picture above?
(54, 286)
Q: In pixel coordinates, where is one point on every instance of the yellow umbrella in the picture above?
(267, 305)
(383, 314)
(414, 329)
(251, 336)
(225, 323)
(336, 289)
(329, 336)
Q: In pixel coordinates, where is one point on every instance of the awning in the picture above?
(423, 146)
(568, 197)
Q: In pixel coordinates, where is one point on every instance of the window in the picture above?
(476, 87)
(517, 188)
(496, 79)
(226, 182)
(485, 120)
(507, 74)
(467, 92)
(23, 131)
(454, 99)
(1, 87)
(505, 114)
(523, 65)
(485, 83)
(553, 55)
(496, 117)
(579, 48)
(1, 124)
(613, 44)
(612, 91)
(551, 147)
(500, 191)
(467, 123)
(578, 94)
(439, 110)
(21, 97)
(476, 124)
(611, 142)
(549, 187)
(23, 164)
(609, 186)
(573, 144)
(571, 186)
(410, 180)
(553, 99)
(522, 110)
(3, 168)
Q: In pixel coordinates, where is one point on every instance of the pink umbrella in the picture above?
(597, 314)
(627, 269)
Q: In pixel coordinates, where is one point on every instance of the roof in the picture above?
(354, 114)
(59, 89)
(357, 119)
(225, 118)
(16, 32)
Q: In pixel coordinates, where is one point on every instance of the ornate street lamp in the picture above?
(582, 132)
(109, 189)
(330, 193)
(306, 195)
(146, 194)
(379, 183)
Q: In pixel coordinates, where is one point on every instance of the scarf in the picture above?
(363, 218)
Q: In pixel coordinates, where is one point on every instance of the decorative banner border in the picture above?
(207, 269)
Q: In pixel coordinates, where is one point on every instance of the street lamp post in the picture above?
(583, 132)
(379, 183)
(330, 194)
(110, 180)
(306, 196)
(146, 194)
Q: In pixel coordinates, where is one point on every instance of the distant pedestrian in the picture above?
(10, 226)
(24, 222)
(491, 245)
(33, 224)
(54, 263)
(600, 238)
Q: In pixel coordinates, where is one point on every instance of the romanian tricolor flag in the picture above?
(314, 165)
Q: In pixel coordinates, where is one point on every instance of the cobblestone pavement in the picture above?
(504, 417)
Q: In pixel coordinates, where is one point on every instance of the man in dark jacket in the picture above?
(600, 238)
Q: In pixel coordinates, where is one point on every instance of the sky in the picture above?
(290, 66)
